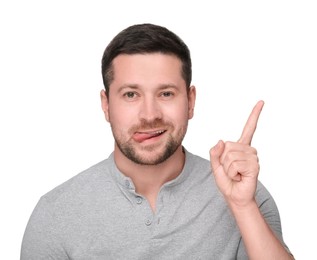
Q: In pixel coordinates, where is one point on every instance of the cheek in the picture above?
(121, 117)
(178, 114)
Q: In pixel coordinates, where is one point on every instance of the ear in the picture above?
(191, 101)
(104, 104)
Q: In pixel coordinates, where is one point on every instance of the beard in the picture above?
(129, 149)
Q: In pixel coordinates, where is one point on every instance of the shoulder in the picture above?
(86, 181)
(265, 200)
(197, 174)
(196, 162)
(262, 194)
(58, 210)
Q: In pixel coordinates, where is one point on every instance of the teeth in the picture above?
(156, 132)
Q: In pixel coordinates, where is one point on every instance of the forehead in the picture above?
(149, 66)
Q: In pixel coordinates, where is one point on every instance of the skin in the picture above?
(235, 164)
(236, 169)
(148, 96)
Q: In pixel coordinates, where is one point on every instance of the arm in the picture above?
(259, 239)
(236, 168)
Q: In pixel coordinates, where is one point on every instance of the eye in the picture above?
(130, 95)
(167, 94)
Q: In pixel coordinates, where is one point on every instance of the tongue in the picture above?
(140, 137)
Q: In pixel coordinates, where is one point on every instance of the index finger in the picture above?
(250, 126)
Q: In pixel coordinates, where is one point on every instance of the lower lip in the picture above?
(141, 139)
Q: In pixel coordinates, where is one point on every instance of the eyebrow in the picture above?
(136, 86)
(131, 86)
(165, 86)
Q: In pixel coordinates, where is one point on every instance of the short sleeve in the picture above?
(41, 238)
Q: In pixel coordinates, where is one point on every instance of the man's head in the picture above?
(148, 98)
(142, 39)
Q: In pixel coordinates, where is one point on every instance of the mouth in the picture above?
(142, 136)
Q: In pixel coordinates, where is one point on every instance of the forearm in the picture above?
(259, 239)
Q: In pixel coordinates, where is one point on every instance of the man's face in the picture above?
(148, 106)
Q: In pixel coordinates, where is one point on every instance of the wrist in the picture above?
(243, 208)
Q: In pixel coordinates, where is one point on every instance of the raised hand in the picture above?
(235, 165)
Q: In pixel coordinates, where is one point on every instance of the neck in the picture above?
(148, 179)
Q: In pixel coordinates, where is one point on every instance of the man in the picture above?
(152, 199)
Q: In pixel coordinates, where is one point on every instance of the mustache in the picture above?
(148, 125)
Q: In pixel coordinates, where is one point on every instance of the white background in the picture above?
(52, 126)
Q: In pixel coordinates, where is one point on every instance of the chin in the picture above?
(150, 157)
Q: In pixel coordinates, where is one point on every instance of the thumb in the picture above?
(215, 154)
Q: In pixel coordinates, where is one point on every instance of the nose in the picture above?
(150, 109)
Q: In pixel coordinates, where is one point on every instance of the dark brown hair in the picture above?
(145, 38)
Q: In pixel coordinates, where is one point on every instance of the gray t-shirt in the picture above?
(98, 215)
